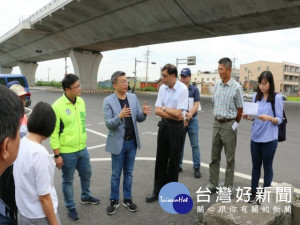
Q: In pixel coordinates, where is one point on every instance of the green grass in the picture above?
(293, 98)
(149, 88)
(51, 83)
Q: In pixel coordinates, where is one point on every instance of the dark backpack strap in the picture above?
(273, 105)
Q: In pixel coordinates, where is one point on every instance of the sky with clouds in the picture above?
(275, 46)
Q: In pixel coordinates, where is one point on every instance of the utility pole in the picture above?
(233, 67)
(66, 67)
(248, 81)
(147, 63)
(48, 74)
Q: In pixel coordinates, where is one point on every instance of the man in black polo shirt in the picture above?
(191, 121)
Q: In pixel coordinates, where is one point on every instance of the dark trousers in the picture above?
(262, 154)
(169, 143)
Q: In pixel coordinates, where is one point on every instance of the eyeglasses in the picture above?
(123, 82)
(165, 75)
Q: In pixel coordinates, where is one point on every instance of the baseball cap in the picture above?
(9, 84)
(185, 72)
(19, 90)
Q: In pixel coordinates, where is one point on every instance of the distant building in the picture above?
(105, 84)
(286, 75)
(205, 81)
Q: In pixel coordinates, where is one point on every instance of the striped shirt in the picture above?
(227, 99)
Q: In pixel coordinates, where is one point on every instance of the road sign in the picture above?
(191, 60)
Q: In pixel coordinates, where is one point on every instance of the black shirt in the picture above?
(129, 129)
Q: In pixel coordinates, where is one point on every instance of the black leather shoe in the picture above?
(197, 173)
(152, 197)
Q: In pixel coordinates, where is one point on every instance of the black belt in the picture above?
(224, 120)
(170, 121)
(128, 138)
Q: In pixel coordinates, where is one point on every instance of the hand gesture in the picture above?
(244, 116)
(59, 162)
(147, 109)
(188, 116)
(264, 117)
(125, 112)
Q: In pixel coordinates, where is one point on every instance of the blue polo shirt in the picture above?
(194, 93)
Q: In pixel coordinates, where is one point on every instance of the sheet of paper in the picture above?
(199, 109)
(235, 125)
(191, 103)
(250, 109)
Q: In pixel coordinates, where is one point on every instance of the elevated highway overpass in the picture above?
(82, 29)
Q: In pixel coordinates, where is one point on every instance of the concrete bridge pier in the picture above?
(86, 65)
(5, 70)
(28, 69)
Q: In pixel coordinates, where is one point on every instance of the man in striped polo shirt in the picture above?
(228, 108)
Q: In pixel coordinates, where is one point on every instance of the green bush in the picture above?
(293, 98)
(51, 83)
(148, 88)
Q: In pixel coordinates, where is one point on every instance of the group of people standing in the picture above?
(177, 105)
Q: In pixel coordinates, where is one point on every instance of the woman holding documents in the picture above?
(264, 132)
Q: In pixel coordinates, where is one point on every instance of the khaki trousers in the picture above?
(223, 136)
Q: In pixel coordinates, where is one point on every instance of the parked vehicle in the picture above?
(283, 96)
(21, 79)
(250, 95)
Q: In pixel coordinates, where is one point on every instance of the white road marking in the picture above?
(153, 133)
(101, 123)
(237, 174)
(98, 133)
(29, 111)
(96, 146)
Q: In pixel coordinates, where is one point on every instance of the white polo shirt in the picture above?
(176, 97)
(34, 177)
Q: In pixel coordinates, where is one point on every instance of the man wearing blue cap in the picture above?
(191, 121)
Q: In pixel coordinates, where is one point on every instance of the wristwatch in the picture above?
(56, 156)
(163, 108)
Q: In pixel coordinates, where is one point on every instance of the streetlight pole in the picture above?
(48, 74)
(248, 81)
(135, 64)
(147, 64)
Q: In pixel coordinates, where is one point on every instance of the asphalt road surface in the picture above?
(286, 163)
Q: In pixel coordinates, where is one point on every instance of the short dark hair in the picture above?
(267, 75)
(42, 119)
(226, 61)
(11, 113)
(69, 80)
(171, 69)
(115, 75)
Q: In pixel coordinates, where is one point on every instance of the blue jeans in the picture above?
(125, 160)
(81, 161)
(262, 153)
(192, 130)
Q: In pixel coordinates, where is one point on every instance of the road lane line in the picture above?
(96, 146)
(98, 133)
(237, 174)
